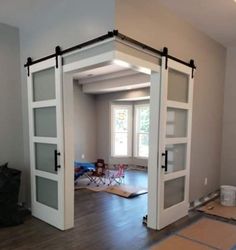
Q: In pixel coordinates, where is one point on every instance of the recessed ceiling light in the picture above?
(127, 88)
(121, 63)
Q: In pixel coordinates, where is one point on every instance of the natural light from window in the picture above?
(121, 127)
(129, 129)
(141, 142)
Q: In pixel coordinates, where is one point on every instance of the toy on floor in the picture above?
(82, 169)
(118, 174)
(99, 174)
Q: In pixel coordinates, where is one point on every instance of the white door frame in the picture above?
(139, 65)
(155, 102)
(48, 214)
(157, 216)
(175, 212)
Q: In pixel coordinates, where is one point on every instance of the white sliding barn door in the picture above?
(46, 142)
(174, 142)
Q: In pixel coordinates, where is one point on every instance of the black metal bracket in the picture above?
(29, 61)
(136, 43)
(111, 33)
(57, 53)
(115, 32)
(165, 54)
(192, 64)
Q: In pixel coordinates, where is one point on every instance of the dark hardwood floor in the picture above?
(102, 221)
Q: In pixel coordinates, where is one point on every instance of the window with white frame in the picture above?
(141, 137)
(121, 130)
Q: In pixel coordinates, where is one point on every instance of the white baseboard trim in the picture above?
(203, 200)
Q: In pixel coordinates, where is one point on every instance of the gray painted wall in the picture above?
(151, 23)
(11, 131)
(228, 164)
(75, 21)
(84, 125)
(92, 125)
(66, 24)
(103, 125)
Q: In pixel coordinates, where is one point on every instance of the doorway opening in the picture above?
(111, 127)
(113, 119)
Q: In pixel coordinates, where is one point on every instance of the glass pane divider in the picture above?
(178, 105)
(50, 63)
(47, 140)
(46, 175)
(181, 140)
(179, 67)
(43, 206)
(43, 104)
(175, 175)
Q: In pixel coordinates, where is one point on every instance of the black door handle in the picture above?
(55, 160)
(166, 161)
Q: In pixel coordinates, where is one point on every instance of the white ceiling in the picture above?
(141, 98)
(217, 18)
(99, 71)
(111, 78)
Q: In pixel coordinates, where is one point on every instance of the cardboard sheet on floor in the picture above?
(213, 233)
(92, 188)
(83, 183)
(126, 191)
(179, 243)
(215, 208)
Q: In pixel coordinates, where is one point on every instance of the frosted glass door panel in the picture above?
(176, 158)
(44, 157)
(177, 86)
(44, 85)
(174, 192)
(45, 122)
(47, 192)
(176, 123)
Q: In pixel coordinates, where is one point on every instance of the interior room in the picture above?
(94, 130)
(98, 107)
(111, 127)
(116, 124)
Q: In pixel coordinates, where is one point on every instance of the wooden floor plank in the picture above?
(102, 221)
